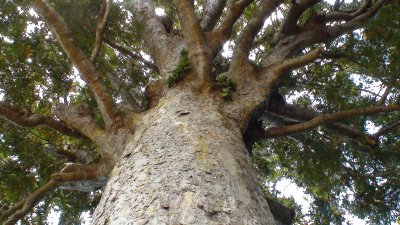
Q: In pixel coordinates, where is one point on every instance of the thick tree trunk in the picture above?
(186, 164)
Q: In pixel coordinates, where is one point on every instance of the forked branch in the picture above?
(387, 129)
(245, 42)
(223, 32)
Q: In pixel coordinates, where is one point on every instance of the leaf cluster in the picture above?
(177, 74)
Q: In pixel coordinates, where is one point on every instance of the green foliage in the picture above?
(227, 85)
(339, 174)
(177, 74)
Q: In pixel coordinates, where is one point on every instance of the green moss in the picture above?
(227, 85)
(182, 67)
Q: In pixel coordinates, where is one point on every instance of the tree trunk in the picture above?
(186, 164)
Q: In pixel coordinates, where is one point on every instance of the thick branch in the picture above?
(280, 131)
(86, 68)
(34, 120)
(224, 30)
(212, 11)
(80, 118)
(244, 44)
(199, 53)
(101, 25)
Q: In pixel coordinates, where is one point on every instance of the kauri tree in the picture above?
(191, 116)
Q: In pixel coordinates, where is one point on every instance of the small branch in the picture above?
(244, 44)
(338, 16)
(224, 30)
(85, 66)
(199, 53)
(281, 131)
(357, 21)
(126, 51)
(101, 25)
(384, 96)
(212, 11)
(387, 129)
(34, 120)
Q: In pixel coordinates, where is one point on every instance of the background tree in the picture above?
(166, 110)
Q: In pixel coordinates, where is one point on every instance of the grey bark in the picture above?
(185, 164)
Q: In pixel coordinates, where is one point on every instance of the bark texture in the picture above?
(186, 164)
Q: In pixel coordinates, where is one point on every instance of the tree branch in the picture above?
(80, 118)
(299, 61)
(387, 129)
(212, 11)
(289, 24)
(101, 25)
(281, 131)
(244, 44)
(71, 173)
(126, 51)
(199, 53)
(287, 64)
(222, 33)
(298, 114)
(338, 16)
(153, 32)
(26, 205)
(336, 31)
(85, 66)
(28, 120)
(384, 95)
